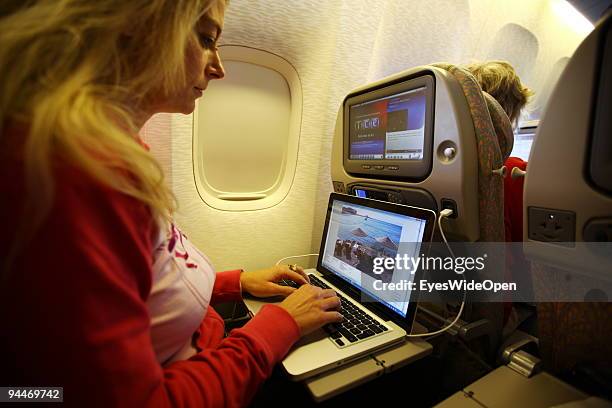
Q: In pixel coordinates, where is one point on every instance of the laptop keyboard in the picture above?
(357, 325)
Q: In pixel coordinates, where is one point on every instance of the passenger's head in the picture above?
(84, 74)
(202, 64)
(121, 50)
(499, 79)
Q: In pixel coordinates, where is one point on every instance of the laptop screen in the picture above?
(358, 234)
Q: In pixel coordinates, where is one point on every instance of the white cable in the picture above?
(294, 256)
(444, 328)
(444, 214)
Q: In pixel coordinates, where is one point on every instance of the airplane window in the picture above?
(246, 132)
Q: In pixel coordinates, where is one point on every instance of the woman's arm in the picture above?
(227, 287)
(230, 285)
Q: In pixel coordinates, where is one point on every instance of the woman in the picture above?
(101, 294)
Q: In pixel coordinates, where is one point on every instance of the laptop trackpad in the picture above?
(316, 335)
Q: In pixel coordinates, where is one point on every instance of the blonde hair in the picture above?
(73, 71)
(499, 79)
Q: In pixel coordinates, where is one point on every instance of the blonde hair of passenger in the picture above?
(500, 80)
(73, 71)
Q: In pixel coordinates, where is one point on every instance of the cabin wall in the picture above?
(336, 46)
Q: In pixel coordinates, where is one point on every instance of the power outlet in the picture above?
(555, 226)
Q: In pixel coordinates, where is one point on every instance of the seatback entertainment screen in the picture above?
(392, 127)
(388, 128)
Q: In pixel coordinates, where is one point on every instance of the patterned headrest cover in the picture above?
(502, 125)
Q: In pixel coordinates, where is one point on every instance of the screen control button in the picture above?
(449, 153)
(392, 167)
(379, 167)
(366, 166)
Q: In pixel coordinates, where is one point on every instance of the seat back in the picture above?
(494, 141)
(465, 120)
(568, 211)
(452, 178)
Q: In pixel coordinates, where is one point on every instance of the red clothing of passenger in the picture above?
(513, 201)
(73, 312)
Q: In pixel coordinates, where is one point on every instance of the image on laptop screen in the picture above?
(357, 234)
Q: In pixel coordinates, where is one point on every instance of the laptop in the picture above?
(357, 231)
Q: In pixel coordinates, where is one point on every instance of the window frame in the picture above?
(275, 194)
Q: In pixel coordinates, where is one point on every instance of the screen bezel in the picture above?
(379, 308)
(407, 169)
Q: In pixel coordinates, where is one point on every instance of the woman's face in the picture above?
(202, 63)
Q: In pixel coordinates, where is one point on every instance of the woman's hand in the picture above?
(262, 283)
(312, 308)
